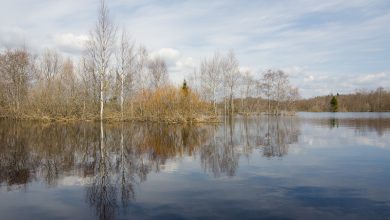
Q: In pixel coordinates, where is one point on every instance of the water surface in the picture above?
(311, 166)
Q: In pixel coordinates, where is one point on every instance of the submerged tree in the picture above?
(211, 78)
(278, 91)
(231, 75)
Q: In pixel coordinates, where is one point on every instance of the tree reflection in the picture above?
(218, 154)
(280, 133)
(361, 125)
(113, 159)
(102, 192)
(16, 165)
(333, 122)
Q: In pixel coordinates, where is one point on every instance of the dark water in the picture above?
(312, 166)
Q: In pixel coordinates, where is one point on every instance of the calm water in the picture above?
(312, 166)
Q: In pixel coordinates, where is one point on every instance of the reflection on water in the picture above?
(112, 161)
(361, 122)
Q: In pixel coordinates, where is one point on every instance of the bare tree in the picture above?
(90, 81)
(50, 65)
(277, 89)
(15, 72)
(281, 89)
(100, 47)
(142, 68)
(267, 86)
(69, 86)
(125, 65)
(142, 76)
(292, 96)
(158, 72)
(247, 83)
(231, 76)
(211, 78)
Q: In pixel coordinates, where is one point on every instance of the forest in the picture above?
(362, 100)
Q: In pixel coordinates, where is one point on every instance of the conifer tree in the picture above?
(334, 104)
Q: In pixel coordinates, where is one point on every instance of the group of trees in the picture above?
(117, 79)
(114, 79)
(218, 79)
(232, 90)
(360, 101)
(16, 71)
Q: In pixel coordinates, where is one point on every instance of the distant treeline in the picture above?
(361, 101)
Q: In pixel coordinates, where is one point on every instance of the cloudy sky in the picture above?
(325, 46)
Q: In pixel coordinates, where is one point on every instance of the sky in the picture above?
(332, 46)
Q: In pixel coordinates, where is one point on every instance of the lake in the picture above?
(309, 166)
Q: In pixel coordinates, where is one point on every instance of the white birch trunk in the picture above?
(101, 97)
(122, 98)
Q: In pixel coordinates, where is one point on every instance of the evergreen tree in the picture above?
(334, 104)
(185, 100)
(185, 89)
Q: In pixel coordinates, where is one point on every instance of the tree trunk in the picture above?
(214, 102)
(231, 104)
(101, 97)
(242, 104)
(122, 99)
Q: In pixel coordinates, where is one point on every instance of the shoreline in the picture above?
(201, 120)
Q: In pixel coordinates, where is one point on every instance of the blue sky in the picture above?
(325, 46)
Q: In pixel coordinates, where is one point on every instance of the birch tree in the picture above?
(142, 68)
(142, 77)
(281, 89)
(247, 83)
(231, 76)
(125, 65)
(267, 85)
(277, 88)
(158, 72)
(100, 47)
(211, 80)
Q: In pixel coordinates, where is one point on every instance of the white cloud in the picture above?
(12, 37)
(187, 62)
(294, 71)
(245, 68)
(70, 42)
(372, 78)
(308, 78)
(179, 66)
(166, 53)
